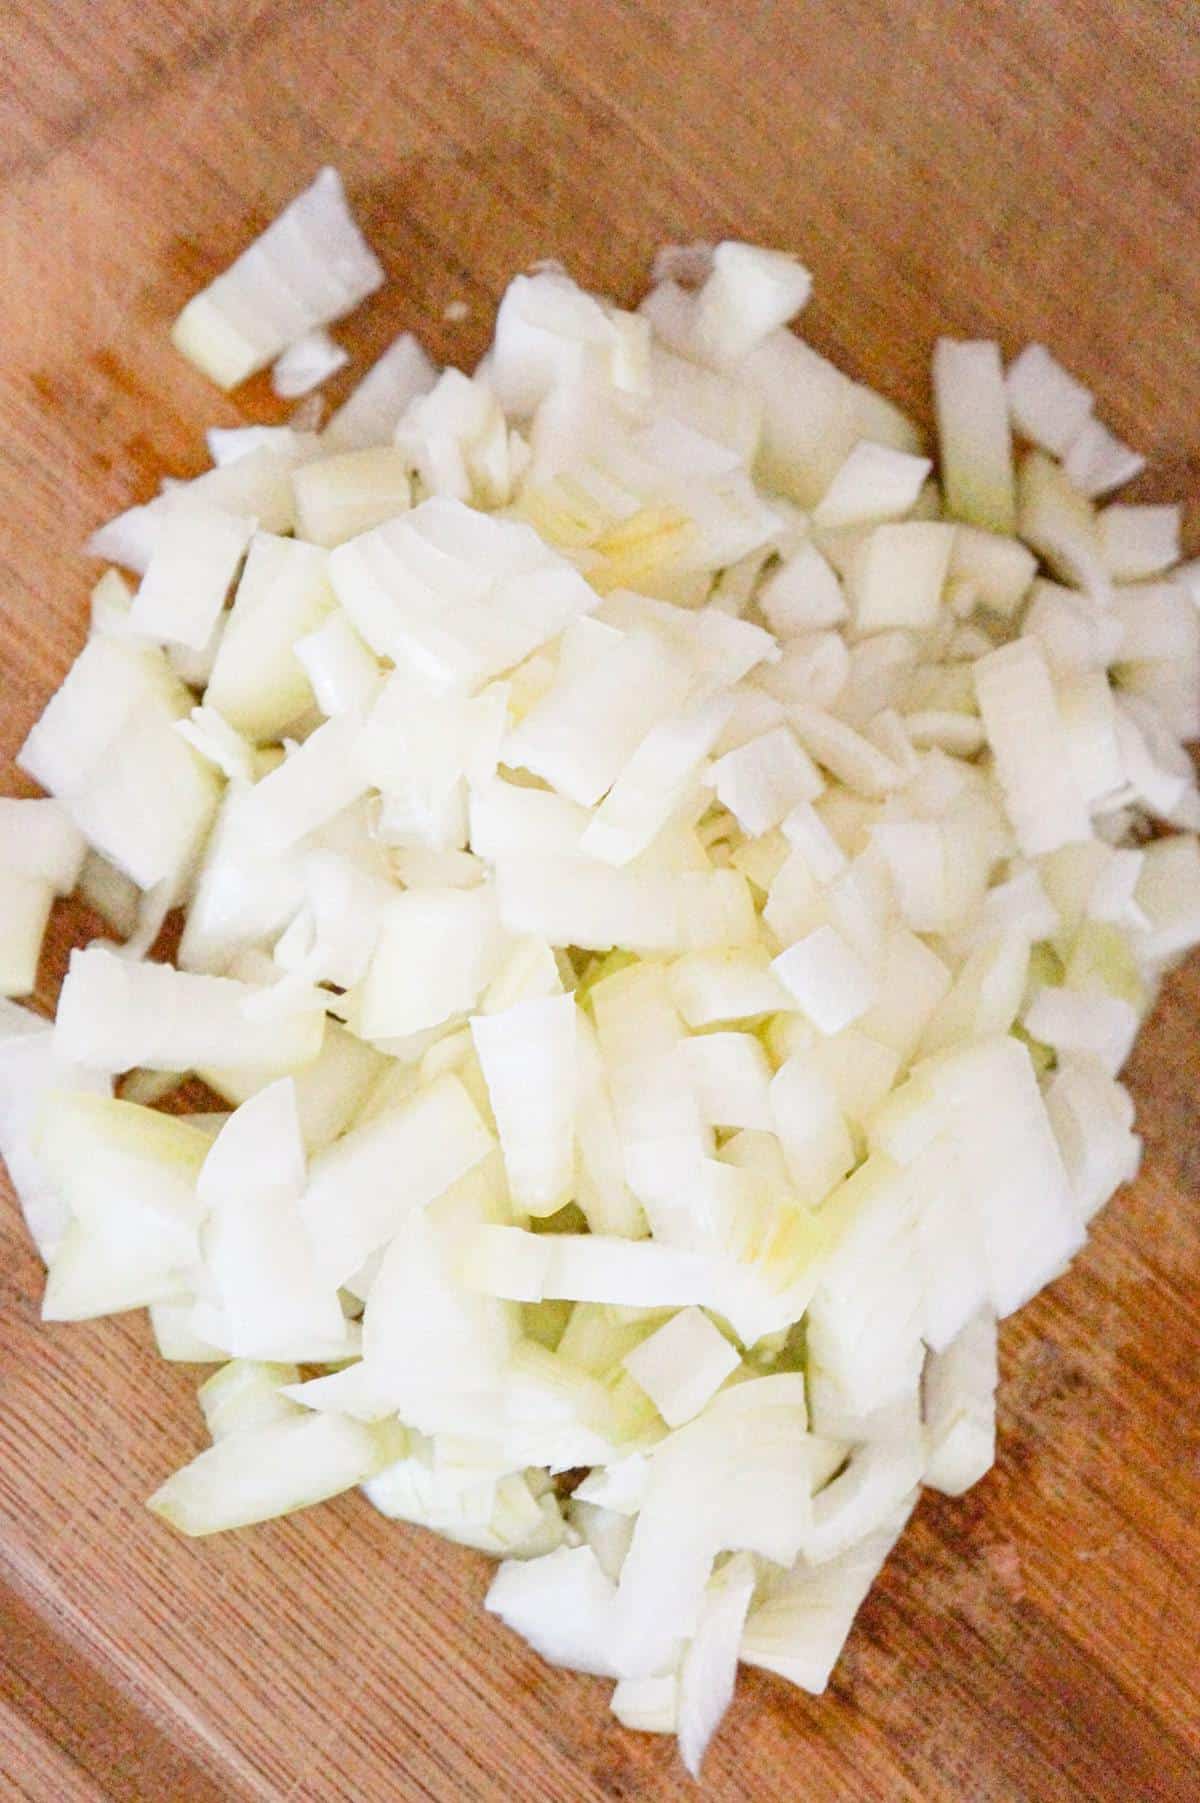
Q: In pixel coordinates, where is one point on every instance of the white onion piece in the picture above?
(875, 1486)
(339, 497)
(1048, 406)
(897, 575)
(875, 483)
(1028, 741)
(306, 363)
(527, 1053)
(310, 267)
(764, 779)
(720, 648)
(256, 485)
(317, 780)
(562, 1604)
(372, 411)
(845, 753)
(960, 1408)
(1136, 542)
(361, 1187)
(999, 569)
(654, 783)
(1096, 461)
(749, 293)
(30, 1072)
(105, 746)
(602, 1190)
(731, 1077)
(802, 594)
(659, 1118)
(190, 572)
(798, 1627)
(284, 594)
(682, 1365)
(807, 1118)
(454, 597)
(41, 855)
(1102, 1025)
(247, 1393)
(114, 1015)
(1060, 525)
(259, 1473)
(712, 404)
(270, 1291)
(242, 896)
(1073, 631)
(575, 902)
(584, 730)
(714, 988)
(1092, 1117)
(973, 434)
(127, 1177)
(751, 1445)
(827, 978)
(419, 1298)
(226, 444)
(709, 1669)
(436, 952)
(343, 675)
(1168, 893)
(548, 333)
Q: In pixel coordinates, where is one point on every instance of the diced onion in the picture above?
(310, 267)
(669, 885)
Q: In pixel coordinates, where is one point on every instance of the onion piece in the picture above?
(1095, 462)
(575, 902)
(751, 1445)
(709, 1669)
(762, 780)
(897, 576)
(800, 1622)
(527, 1053)
(306, 363)
(748, 294)
(682, 1365)
(875, 483)
(1048, 406)
(372, 411)
(105, 746)
(354, 1202)
(960, 1408)
(190, 572)
(437, 950)
(827, 978)
(310, 267)
(339, 497)
(1060, 524)
(258, 1473)
(973, 434)
(1136, 542)
(1028, 740)
(113, 1015)
(31, 1072)
(41, 855)
(127, 1177)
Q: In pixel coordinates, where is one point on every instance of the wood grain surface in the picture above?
(1018, 170)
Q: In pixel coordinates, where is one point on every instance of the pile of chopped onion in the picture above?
(670, 882)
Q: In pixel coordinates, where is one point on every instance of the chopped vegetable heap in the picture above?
(670, 882)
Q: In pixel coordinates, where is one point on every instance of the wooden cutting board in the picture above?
(995, 169)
